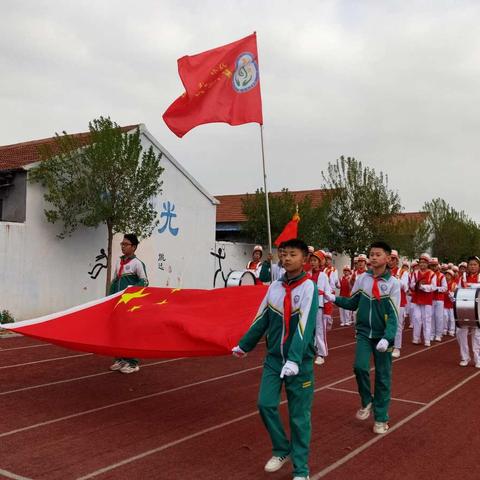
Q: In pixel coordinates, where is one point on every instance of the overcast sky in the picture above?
(395, 84)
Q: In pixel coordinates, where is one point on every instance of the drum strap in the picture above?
(287, 304)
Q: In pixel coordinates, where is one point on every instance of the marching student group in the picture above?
(376, 296)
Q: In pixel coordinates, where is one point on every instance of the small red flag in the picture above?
(290, 231)
(221, 85)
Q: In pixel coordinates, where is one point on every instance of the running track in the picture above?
(65, 416)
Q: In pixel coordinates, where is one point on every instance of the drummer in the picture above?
(255, 264)
(270, 270)
(468, 280)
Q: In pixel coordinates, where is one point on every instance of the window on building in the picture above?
(13, 195)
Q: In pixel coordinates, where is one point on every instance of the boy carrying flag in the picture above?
(287, 317)
(376, 298)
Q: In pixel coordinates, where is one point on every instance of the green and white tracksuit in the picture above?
(377, 318)
(291, 340)
(129, 271)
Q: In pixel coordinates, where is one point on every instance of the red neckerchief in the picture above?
(287, 303)
(123, 262)
(394, 271)
(314, 275)
(252, 265)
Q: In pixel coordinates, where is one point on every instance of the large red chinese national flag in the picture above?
(221, 85)
(152, 322)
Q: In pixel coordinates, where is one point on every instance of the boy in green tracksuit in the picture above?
(129, 271)
(287, 317)
(376, 298)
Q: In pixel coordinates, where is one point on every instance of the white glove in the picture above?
(289, 369)
(382, 345)
(238, 352)
(424, 288)
(329, 297)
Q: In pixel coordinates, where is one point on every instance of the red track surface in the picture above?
(70, 418)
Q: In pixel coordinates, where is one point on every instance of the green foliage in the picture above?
(6, 317)
(410, 236)
(362, 208)
(111, 181)
(311, 227)
(455, 236)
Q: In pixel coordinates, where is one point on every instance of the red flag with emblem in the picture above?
(221, 85)
(152, 322)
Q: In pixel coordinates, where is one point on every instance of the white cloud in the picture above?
(394, 84)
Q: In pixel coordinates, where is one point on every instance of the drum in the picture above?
(466, 306)
(238, 278)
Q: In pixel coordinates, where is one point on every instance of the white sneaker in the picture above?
(276, 463)
(477, 365)
(410, 326)
(451, 334)
(364, 413)
(117, 365)
(301, 478)
(319, 360)
(416, 342)
(127, 368)
(464, 363)
(380, 427)
(396, 353)
(438, 339)
(427, 344)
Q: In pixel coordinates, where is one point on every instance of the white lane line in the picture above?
(220, 425)
(391, 398)
(8, 392)
(74, 379)
(29, 346)
(46, 360)
(125, 402)
(14, 476)
(395, 427)
(164, 392)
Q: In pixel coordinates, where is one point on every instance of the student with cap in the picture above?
(470, 279)
(438, 319)
(412, 306)
(345, 290)
(323, 285)
(449, 327)
(402, 275)
(255, 264)
(307, 267)
(332, 275)
(423, 285)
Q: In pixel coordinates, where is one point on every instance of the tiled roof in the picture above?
(417, 216)
(22, 154)
(230, 208)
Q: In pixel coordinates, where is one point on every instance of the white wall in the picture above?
(41, 274)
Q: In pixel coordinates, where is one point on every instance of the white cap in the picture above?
(394, 254)
(258, 248)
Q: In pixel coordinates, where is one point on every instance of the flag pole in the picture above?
(266, 193)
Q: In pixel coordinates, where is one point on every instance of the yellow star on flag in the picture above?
(163, 302)
(126, 297)
(175, 290)
(135, 307)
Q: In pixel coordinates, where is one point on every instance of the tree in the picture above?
(454, 235)
(311, 227)
(109, 181)
(409, 236)
(362, 206)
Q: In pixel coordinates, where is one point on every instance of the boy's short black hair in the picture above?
(132, 238)
(296, 243)
(383, 245)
